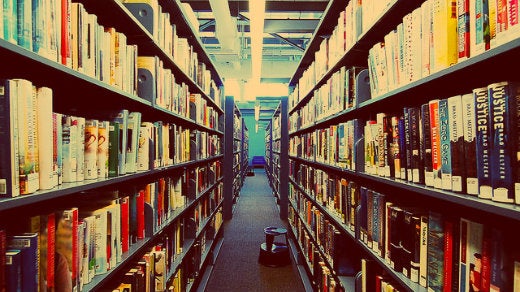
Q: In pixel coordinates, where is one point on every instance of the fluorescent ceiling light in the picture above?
(257, 16)
(225, 25)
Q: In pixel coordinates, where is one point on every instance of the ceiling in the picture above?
(288, 27)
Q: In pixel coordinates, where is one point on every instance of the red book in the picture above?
(67, 246)
(486, 260)
(448, 255)
(51, 250)
(140, 215)
(65, 32)
(125, 224)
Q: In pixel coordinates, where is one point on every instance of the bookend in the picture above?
(146, 88)
(142, 12)
(362, 87)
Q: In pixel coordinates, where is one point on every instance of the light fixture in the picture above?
(257, 112)
(257, 17)
(225, 25)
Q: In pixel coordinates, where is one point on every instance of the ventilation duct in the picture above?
(225, 25)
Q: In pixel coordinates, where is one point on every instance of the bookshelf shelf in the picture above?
(314, 121)
(504, 210)
(67, 189)
(77, 94)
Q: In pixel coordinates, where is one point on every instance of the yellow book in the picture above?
(444, 34)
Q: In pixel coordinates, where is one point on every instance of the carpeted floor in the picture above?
(237, 267)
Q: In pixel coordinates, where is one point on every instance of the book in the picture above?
(24, 21)
(471, 255)
(45, 227)
(45, 138)
(80, 148)
(463, 28)
(67, 261)
(91, 148)
(122, 119)
(103, 149)
(504, 100)
(423, 263)
(133, 130)
(436, 142)
(469, 129)
(445, 145)
(458, 181)
(3, 248)
(69, 148)
(27, 137)
(444, 33)
(10, 167)
(27, 243)
(483, 142)
(426, 146)
(13, 270)
(114, 144)
(435, 251)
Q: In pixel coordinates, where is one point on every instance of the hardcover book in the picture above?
(27, 243)
(9, 156)
(469, 129)
(445, 145)
(103, 149)
(458, 181)
(13, 270)
(483, 142)
(435, 251)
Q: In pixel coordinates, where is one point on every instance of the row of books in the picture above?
(93, 237)
(371, 278)
(158, 84)
(164, 32)
(335, 145)
(436, 35)
(427, 144)
(43, 149)
(65, 32)
(343, 90)
(352, 21)
(433, 249)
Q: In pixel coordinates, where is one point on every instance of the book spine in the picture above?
(65, 33)
(91, 149)
(444, 33)
(427, 145)
(45, 138)
(469, 132)
(80, 148)
(435, 252)
(458, 180)
(423, 268)
(103, 149)
(24, 19)
(483, 142)
(436, 143)
(448, 255)
(28, 244)
(113, 149)
(69, 148)
(3, 249)
(13, 272)
(445, 146)
(402, 147)
(417, 167)
(9, 150)
(463, 27)
(503, 100)
(395, 146)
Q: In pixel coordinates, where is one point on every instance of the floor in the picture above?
(237, 267)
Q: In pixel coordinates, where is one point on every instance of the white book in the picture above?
(469, 129)
(80, 148)
(143, 151)
(27, 137)
(45, 138)
(102, 149)
(69, 148)
(91, 149)
(134, 123)
(423, 268)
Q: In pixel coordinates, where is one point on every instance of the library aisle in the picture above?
(237, 267)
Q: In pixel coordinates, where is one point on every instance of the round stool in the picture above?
(274, 253)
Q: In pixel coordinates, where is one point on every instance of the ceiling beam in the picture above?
(237, 6)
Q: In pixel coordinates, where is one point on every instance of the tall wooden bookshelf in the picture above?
(334, 198)
(185, 230)
(236, 145)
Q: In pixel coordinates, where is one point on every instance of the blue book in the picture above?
(10, 19)
(9, 166)
(445, 142)
(435, 252)
(38, 25)
(503, 99)
(13, 270)
(28, 245)
(25, 24)
(483, 142)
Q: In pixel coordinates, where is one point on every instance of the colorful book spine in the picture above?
(435, 252)
(445, 145)
(24, 20)
(463, 29)
(91, 149)
(504, 100)
(113, 148)
(122, 119)
(436, 143)
(10, 21)
(67, 248)
(426, 145)
(80, 148)
(483, 142)
(69, 148)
